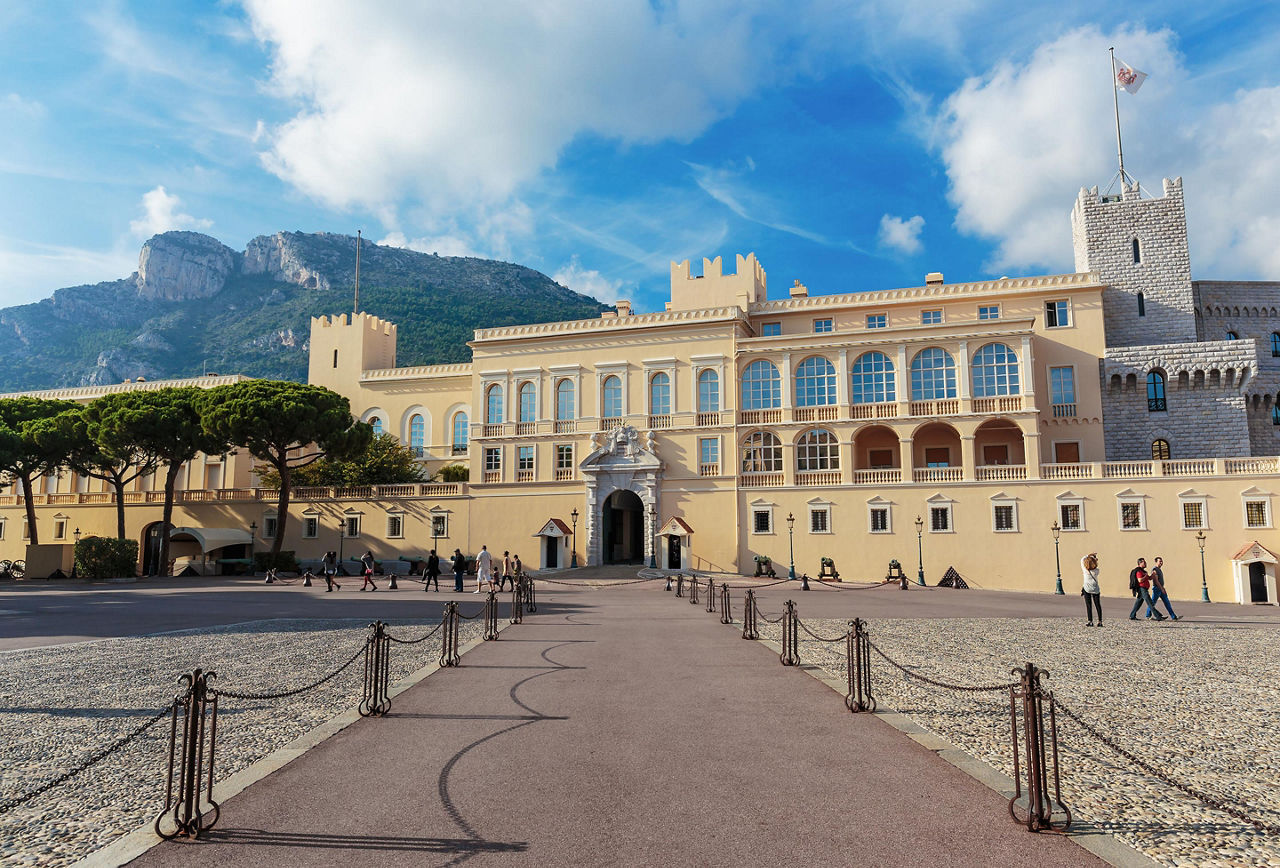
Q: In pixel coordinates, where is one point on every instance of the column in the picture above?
(842, 383)
(968, 456)
(787, 385)
(963, 380)
(902, 383)
(1031, 448)
(1026, 371)
(907, 458)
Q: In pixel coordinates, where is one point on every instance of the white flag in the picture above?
(1128, 78)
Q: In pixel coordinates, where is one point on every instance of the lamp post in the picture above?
(76, 545)
(920, 549)
(573, 548)
(342, 538)
(435, 535)
(791, 540)
(653, 538)
(1204, 586)
(1057, 559)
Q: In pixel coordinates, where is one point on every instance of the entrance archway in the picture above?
(622, 520)
(151, 549)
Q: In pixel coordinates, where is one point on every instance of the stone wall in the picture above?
(1251, 309)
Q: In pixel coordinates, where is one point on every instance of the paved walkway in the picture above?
(618, 727)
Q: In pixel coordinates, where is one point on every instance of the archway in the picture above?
(876, 447)
(622, 520)
(151, 535)
(999, 441)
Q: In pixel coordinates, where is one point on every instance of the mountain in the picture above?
(196, 305)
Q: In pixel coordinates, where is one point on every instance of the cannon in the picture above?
(897, 575)
(764, 566)
(829, 570)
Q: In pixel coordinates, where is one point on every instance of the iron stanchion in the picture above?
(491, 616)
(711, 595)
(693, 591)
(306, 579)
(804, 583)
(377, 665)
(189, 784)
(530, 595)
(726, 614)
(1039, 806)
(858, 663)
(668, 587)
(749, 629)
(449, 642)
(391, 585)
(680, 585)
(790, 655)
(517, 602)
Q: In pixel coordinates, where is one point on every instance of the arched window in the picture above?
(528, 402)
(493, 405)
(611, 398)
(817, 450)
(417, 435)
(1275, 344)
(1275, 414)
(933, 375)
(995, 371)
(873, 379)
(1233, 335)
(1142, 305)
(564, 400)
(1160, 450)
(815, 382)
(1137, 252)
(1155, 392)
(761, 453)
(660, 395)
(709, 391)
(461, 432)
(761, 386)
(376, 424)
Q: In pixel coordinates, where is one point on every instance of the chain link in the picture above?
(419, 639)
(471, 617)
(967, 688)
(804, 627)
(92, 759)
(1205, 798)
(286, 693)
(762, 616)
(602, 583)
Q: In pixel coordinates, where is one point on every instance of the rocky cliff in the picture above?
(181, 265)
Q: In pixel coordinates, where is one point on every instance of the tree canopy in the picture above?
(385, 461)
(23, 457)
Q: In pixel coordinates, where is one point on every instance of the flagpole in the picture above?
(1115, 99)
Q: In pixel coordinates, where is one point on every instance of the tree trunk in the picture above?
(32, 532)
(118, 484)
(166, 519)
(282, 508)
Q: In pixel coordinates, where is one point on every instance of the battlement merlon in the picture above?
(714, 288)
(366, 320)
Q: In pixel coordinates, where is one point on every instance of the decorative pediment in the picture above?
(1070, 495)
(675, 527)
(879, 501)
(1254, 551)
(1001, 495)
(1253, 491)
(621, 448)
(554, 527)
(1191, 492)
(940, 498)
(1129, 493)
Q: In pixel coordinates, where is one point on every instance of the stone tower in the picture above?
(343, 347)
(1138, 248)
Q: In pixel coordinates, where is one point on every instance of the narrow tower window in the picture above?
(1142, 303)
(335, 358)
(1160, 450)
(1137, 252)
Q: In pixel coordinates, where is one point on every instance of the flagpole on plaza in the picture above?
(1115, 99)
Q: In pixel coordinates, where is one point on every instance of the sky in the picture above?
(851, 146)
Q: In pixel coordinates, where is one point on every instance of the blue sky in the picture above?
(851, 146)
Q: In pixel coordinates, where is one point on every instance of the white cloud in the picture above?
(902, 235)
(589, 282)
(13, 104)
(29, 272)
(161, 214)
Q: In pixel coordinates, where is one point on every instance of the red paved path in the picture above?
(619, 727)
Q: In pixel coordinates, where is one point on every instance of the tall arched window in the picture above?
(761, 386)
(528, 402)
(1155, 392)
(376, 424)
(493, 405)
(815, 382)
(873, 379)
(1160, 450)
(611, 398)
(564, 400)
(933, 375)
(817, 450)
(709, 391)
(461, 432)
(417, 435)
(995, 371)
(1142, 305)
(1275, 414)
(761, 453)
(1275, 344)
(1137, 251)
(1233, 335)
(660, 395)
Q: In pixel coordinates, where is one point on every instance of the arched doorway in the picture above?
(151, 549)
(622, 520)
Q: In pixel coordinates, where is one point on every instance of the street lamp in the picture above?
(1204, 586)
(920, 549)
(791, 539)
(1056, 530)
(653, 539)
(573, 548)
(76, 535)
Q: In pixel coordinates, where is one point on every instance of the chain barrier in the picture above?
(187, 774)
(693, 590)
(968, 688)
(711, 596)
(759, 587)
(431, 633)
(814, 635)
(449, 645)
(604, 583)
(1211, 801)
(790, 655)
(749, 628)
(374, 701)
(530, 597)
(491, 616)
(726, 613)
(1040, 806)
(680, 585)
(858, 668)
(287, 693)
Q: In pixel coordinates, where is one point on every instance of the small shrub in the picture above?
(286, 561)
(100, 557)
(455, 473)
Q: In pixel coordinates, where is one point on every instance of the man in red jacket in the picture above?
(1140, 584)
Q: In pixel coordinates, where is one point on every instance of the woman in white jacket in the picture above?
(1089, 587)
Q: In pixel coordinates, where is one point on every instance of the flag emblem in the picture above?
(1128, 78)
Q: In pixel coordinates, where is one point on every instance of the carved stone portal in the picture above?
(620, 463)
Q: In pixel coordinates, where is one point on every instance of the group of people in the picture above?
(1147, 586)
(486, 574)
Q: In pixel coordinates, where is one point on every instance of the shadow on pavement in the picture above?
(449, 846)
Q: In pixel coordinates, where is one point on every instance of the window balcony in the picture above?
(827, 413)
(524, 428)
(709, 469)
(761, 480)
(708, 419)
(524, 476)
(760, 417)
(660, 421)
(817, 477)
(886, 410)
(1000, 472)
(882, 476)
(564, 474)
(937, 474)
(494, 429)
(493, 476)
(1064, 411)
(1001, 404)
(566, 426)
(940, 407)
(608, 423)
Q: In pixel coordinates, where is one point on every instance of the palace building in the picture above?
(948, 425)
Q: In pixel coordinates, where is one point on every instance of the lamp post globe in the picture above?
(1057, 560)
(1204, 585)
(573, 548)
(920, 549)
(791, 541)
(653, 538)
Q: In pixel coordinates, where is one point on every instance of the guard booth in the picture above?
(1254, 571)
(553, 545)
(674, 540)
(210, 551)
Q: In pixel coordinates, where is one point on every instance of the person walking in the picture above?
(1140, 585)
(484, 568)
(1089, 586)
(459, 569)
(1158, 592)
(507, 574)
(432, 572)
(330, 566)
(366, 561)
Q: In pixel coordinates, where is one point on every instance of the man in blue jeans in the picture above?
(1140, 584)
(1158, 592)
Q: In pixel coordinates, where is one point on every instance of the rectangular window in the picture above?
(877, 320)
(564, 458)
(1057, 314)
(1192, 514)
(989, 311)
(880, 459)
(269, 525)
(395, 527)
(930, 317)
(939, 519)
(1062, 391)
(1255, 513)
(1069, 515)
(822, 326)
(879, 519)
(524, 458)
(1131, 515)
(1004, 518)
(2, 526)
(493, 458)
(60, 528)
(762, 521)
(1066, 453)
(708, 450)
(937, 456)
(310, 527)
(26, 531)
(771, 329)
(439, 526)
(352, 526)
(820, 520)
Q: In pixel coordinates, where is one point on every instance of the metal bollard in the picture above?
(711, 595)
(790, 655)
(1040, 808)
(858, 664)
(449, 642)
(749, 629)
(187, 774)
(393, 586)
(377, 672)
(530, 596)
(680, 585)
(668, 587)
(491, 616)
(306, 579)
(517, 603)
(726, 614)
(693, 591)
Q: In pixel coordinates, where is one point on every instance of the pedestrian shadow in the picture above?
(375, 843)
